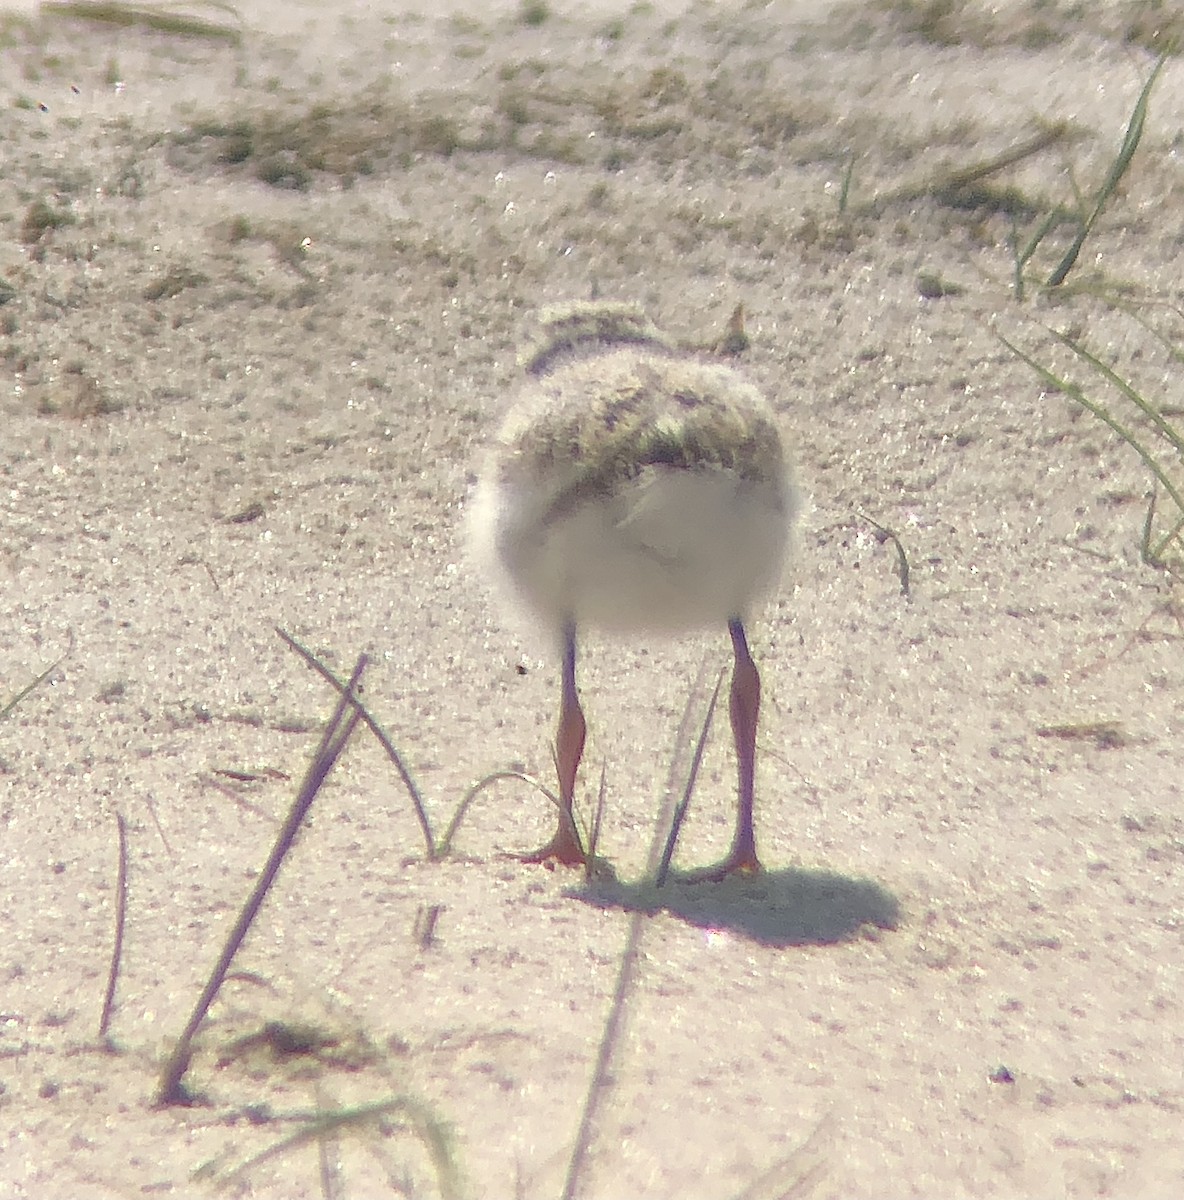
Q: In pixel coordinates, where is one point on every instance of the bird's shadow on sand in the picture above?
(791, 907)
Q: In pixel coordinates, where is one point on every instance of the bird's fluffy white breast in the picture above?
(673, 549)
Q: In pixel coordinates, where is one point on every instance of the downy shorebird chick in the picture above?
(636, 487)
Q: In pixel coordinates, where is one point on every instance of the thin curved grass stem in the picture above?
(445, 843)
(384, 740)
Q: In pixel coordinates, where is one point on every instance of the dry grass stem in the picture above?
(614, 1023)
(384, 741)
(444, 846)
(950, 182)
(120, 919)
(597, 824)
(902, 559)
(684, 804)
(337, 733)
(28, 688)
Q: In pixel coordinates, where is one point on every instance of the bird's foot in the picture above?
(744, 865)
(563, 850)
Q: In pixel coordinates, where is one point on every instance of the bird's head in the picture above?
(589, 326)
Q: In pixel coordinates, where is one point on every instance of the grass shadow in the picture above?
(791, 907)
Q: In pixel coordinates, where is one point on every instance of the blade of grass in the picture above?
(845, 186)
(1022, 257)
(1139, 401)
(120, 918)
(1075, 393)
(601, 1080)
(614, 1022)
(384, 741)
(1152, 555)
(902, 559)
(951, 181)
(1176, 352)
(801, 1172)
(684, 804)
(322, 1124)
(161, 19)
(1148, 521)
(445, 844)
(1126, 152)
(29, 688)
(327, 1155)
(597, 823)
(337, 733)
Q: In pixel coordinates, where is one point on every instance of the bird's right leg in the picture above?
(565, 847)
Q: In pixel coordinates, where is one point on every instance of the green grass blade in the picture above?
(444, 846)
(1022, 257)
(1155, 553)
(1074, 392)
(1139, 401)
(1042, 231)
(431, 1132)
(1175, 352)
(29, 688)
(845, 187)
(168, 18)
(1145, 542)
(1126, 152)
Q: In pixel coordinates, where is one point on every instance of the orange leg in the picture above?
(745, 707)
(565, 846)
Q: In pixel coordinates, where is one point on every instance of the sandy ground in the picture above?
(261, 302)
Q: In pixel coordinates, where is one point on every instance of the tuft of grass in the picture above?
(78, 395)
(288, 146)
(939, 22)
(1145, 427)
(1155, 25)
(175, 280)
(534, 12)
(371, 1121)
(42, 218)
(312, 1049)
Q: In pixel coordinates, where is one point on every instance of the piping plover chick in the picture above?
(636, 487)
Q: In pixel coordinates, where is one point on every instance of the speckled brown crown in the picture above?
(584, 326)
